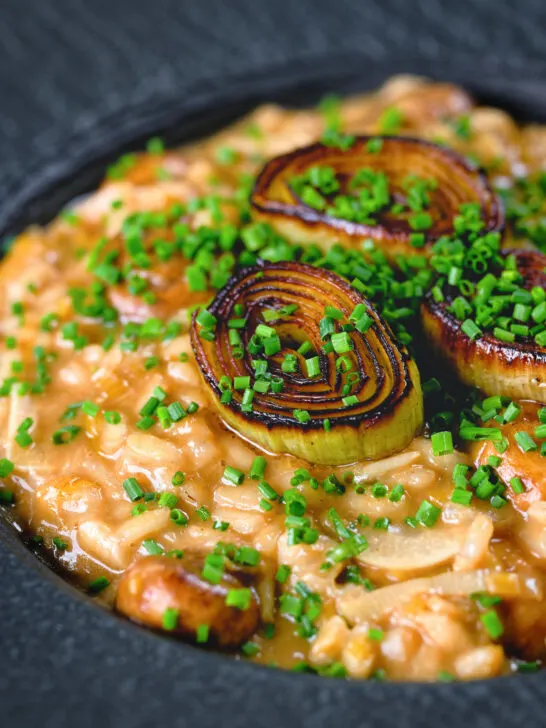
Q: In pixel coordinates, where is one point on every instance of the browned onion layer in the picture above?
(458, 181)
(515, 369)
(388, 379)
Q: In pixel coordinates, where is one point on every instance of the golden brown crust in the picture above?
(156, 583)
(525, 625)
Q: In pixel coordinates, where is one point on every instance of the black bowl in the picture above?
(67, 662)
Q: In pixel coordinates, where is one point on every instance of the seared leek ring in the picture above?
(407, 196)
(361, 398)
(515, 369)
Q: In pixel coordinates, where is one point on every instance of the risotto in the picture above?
(292, 404)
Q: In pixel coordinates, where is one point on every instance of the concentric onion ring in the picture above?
(457, 181)
(386, 408)
(516, 370)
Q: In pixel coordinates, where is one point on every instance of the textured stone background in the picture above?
(64, 66)
(63, 63)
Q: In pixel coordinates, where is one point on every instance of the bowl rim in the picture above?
(54, 178)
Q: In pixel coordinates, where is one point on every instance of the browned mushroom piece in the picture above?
(525, 629)
(155, 584)
(422, 103)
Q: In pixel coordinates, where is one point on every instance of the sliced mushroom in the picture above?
(157, 583)
(358, 605)
(410, 550)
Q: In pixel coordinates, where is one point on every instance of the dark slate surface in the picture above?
(79, 78)
(63, 63)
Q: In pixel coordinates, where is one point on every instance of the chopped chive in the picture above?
(461, 496)
(470, 328)
(305, 348)
(492, 624)
(313, 367)
(178, 478)
(379, 490)
(178, 517)
(267, 491)
(540, 431)
(89, 408)
(239, 598)
(202, 634)
(152, 547)
(145, 423)
(113, 418)
(149, 407)
(98, 585)
(427, 514)
(169, 500)
(133, 489)
(512, 412)
(265, 332)
(272, 346)
(6, 467)
(442, 443)
(203, 513)
(341, 342)
(517, 485)
(257, 469)
(333, 312)
(169, 619)
(64, 435)
(241, 382)
(283, 572)
(397, 493)
(206, 319)
(525, 441)
(302, 416)
(175, 411)
(233, 475)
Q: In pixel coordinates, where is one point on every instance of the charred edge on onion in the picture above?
(454, 340)
(397, 355)
(494, 220)
(531, 265)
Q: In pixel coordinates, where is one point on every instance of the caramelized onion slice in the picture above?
(311, 416)
(388, 167)
(517, 369)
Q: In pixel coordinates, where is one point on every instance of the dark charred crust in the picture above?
(450, 160)
(532, 266)
(454, 340)
(450, 337)
(395, 353)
